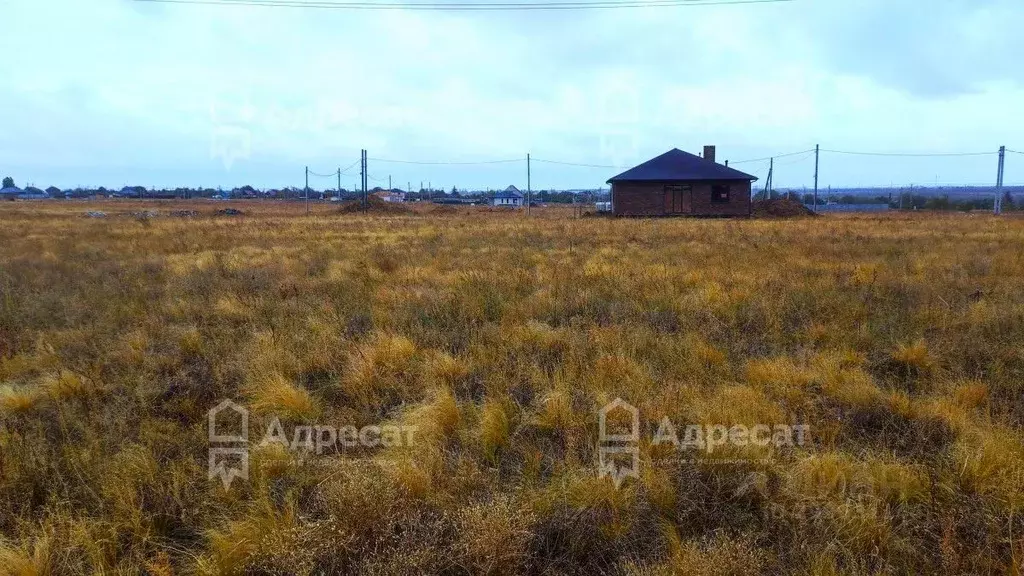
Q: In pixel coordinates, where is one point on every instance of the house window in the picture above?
(720, 194)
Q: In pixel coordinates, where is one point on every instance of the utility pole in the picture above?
(998, 206)
(389, 182)
(817, 150)
(529, 191)
(307, 190)
(362, 173)
(339, 184)
(768, 180)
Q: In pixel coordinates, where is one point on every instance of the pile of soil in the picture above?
(780, 208)
(374, 205)
(229, 212)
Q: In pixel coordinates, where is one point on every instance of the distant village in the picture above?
(674, 183)
(853, 199)
(510, 196)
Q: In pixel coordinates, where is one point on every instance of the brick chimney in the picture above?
(709, 153)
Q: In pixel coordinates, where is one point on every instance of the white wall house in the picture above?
(510, 197)
(391, 196)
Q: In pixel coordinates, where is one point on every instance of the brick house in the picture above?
(678, 183)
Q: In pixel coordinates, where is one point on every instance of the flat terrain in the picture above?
(898, 339)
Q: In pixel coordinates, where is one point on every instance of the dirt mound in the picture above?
(780, 208)
(374, 205)
(229, 212)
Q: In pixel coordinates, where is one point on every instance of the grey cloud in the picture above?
(930, 49)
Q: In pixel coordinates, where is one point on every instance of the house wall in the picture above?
(648, 199)
(638, 199)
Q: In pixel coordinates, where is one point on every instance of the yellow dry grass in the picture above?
(898, 339)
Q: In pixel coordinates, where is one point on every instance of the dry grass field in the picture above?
(898, 339)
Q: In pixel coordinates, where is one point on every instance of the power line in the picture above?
(777, 156)
(469, 6)
(351, 166)
(797, 157)
(805, 153)
(331, 175)
(579, 164)
(910, 154)
(447, 163)
(961, 187)
(806, 156)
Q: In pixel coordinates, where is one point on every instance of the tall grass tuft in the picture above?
(897, 339)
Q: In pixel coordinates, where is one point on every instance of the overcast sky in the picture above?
(115, 92)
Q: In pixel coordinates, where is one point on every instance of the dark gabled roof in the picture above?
(510, 192)
(676, 165)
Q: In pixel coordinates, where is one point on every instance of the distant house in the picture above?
(244, 192)
(9, 192)
(678, 183)
(129, 192)
(33, 193)
(390, 195)
(510, 197)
